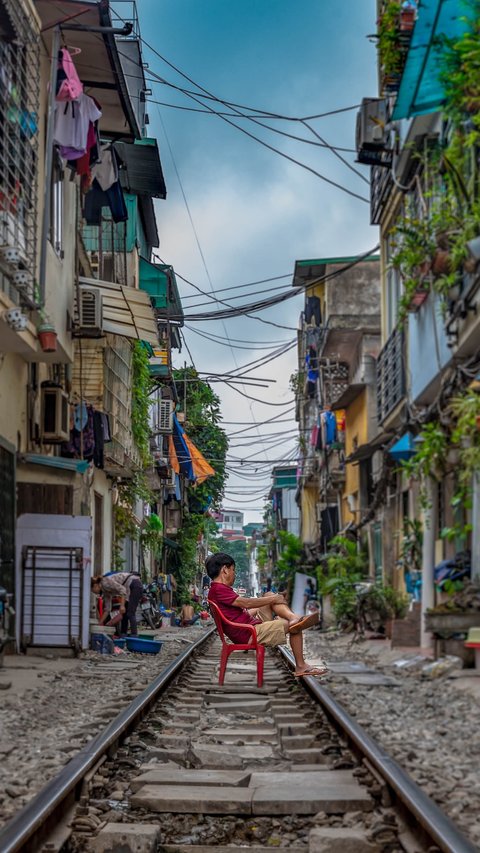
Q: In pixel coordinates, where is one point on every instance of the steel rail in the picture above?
(23, 832)
(429, 816)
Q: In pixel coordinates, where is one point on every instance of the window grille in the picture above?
(118, 400)
(19, 104)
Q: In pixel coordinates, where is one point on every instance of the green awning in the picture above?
(158, 280)
(79, 466)
(420, 88)
(169, 543)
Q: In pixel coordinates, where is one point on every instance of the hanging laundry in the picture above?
(82, 438)
(312, 310)
(330, 427)
(105, 171)
(340, 417)
(69, 87)
(96, 199)
(71, 126)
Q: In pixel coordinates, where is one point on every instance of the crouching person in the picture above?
(270, 614)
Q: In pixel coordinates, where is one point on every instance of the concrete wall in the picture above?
(427, 348)
(356, 434)
(355, 293)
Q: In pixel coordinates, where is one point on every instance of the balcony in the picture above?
(391, 375)
(381, 186)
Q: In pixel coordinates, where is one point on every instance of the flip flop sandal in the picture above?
(314, 671)
(306, 622)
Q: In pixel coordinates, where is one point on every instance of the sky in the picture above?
(237, 212)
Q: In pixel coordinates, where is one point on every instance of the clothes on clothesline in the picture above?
(96, 199)
(71, 125)
(312, 310)
(89, 432)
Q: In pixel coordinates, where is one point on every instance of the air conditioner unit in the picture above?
(371, 130)
(90, 312)
(55, 421)
(165, 416)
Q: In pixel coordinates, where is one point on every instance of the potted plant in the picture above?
(408, 14)
(47, 336)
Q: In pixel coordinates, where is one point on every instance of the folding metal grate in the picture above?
(19, 103)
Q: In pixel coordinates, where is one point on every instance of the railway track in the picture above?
(190, 766)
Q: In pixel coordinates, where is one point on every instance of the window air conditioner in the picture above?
(165, 416)
(90, 312)
(55, 416)
(371, 132)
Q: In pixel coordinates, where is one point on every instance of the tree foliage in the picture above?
(202, 425)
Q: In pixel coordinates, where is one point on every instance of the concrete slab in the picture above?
(223, 692)
(301, 741)
(310, 756)
(170, 776)
(223, 848)
(253, 735)
(177, 755)
(300, 778)
(245, 707)
(127, 837)
(194, 799)
(211, 757)
(286, 799)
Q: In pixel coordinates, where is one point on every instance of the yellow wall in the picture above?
(356, 420)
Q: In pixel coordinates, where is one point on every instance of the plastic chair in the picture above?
(228, 648)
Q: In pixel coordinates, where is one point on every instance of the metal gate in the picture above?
(7, 519)
(52, 596)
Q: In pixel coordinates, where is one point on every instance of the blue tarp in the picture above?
(182, 451)
(420, 89)
(404, 448)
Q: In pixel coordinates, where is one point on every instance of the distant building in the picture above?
(230, 524)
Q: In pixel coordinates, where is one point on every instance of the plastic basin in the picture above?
(120, 642)
(146, 647)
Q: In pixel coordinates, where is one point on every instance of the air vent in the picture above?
(90, 312)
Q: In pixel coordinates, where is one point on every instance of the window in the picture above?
(57, 206)
(19, 107)
(393, 289)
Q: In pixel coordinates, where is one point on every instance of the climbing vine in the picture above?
(141, 388)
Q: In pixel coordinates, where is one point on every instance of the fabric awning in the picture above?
(367, 450)
(126, 311)
(420, 88)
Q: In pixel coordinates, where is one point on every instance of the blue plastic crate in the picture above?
(147, 647)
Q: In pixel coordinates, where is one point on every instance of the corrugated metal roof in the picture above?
(143, 170)
(126, 311)
(420, 88)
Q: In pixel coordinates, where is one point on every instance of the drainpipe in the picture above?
(430, 522)
(47, 190)
(476, 528)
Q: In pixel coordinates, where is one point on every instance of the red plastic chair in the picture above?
(228, 648)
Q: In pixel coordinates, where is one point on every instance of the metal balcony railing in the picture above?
(390, 375)
(19, 107)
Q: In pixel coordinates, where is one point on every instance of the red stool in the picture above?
(228, 647)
